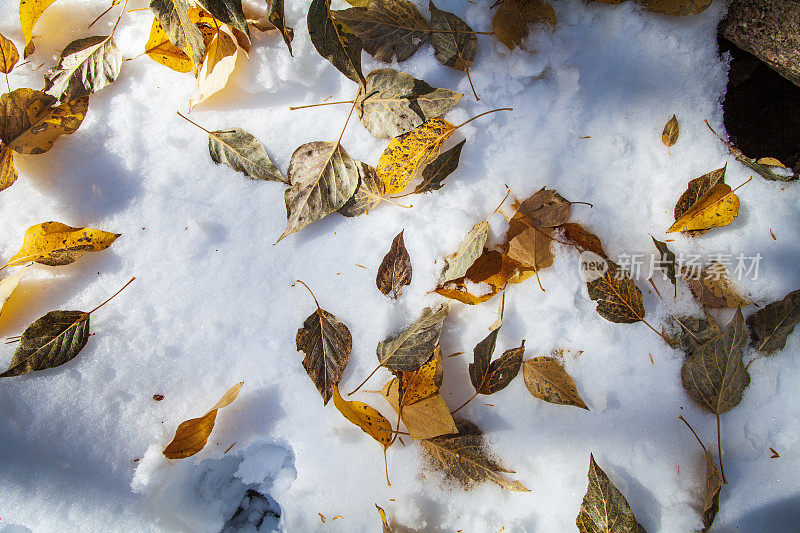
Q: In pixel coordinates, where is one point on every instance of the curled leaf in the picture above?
(7, 286)
(217, 67)
(395, 269)
(277, 18)
(772, 325)
(384, 521)
(86, 66)
(492, 268)
(667, 260)
(56, 244)
(192, 435)
(547, 379)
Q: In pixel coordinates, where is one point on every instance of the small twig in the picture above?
(465, 403)
(112, 296)
(294, 108)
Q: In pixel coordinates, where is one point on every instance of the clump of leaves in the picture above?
(604, 508)
(192, 435)
(772, 325)
(395, 270)
(465, 461)
(52, 340)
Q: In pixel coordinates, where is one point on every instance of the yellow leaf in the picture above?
(29, 13)
(55, 244)
(423, 382)
(7, 286)
(424, 419)
(771, 162)
(30, 124)
(407, 154)
(716, 208)
(8, 55)
(161, 50)
(493, 268)
(220, 60)
(192, 435)
(367, 418)
(386, 527)
(8, 172)
(671, 131)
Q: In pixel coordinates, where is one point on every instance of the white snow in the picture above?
(213, 302)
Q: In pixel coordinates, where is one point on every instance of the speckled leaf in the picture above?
(434, 174)
(424, 419)
(464, 459)
(30, 123)
(671, 131)
(29, 13)
(278, 19)
(56, 244)
(667, 260)
(454, 43)
(395, 269)
(713, 288)
(695, 189)
(546, 379)
(8, 55)
(323, 177)
(714, 375)
(489, 376)
(604, 508)
(366, 417)
(8, 172)
(545, 209)
(50, 341)
(387, 28)
(583, 239)
(424, 382)
(243, 153)
(327, 344)
(410, 152)
(510, 22)
(771, 325)
(368, 195)
(86, 66)
(173, 16)
(335, 41)
(414, 345)
(228, 12)
(8, 285)
(618, 298)
(395, 102)
(677, 7)
(468, 251)
(192, 435)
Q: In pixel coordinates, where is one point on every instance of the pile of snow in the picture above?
(213, 302)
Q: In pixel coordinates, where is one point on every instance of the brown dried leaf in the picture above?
(529, 245)
(510, 22)
(413, 346)
(395, 269)
(545, 209)
(547, 379)
(493, 268)
(489, 376)
(671, 131)
(713, 288)
(695, 189)
(583, 239)
(771, 325)
(604, 508)
(618, 298)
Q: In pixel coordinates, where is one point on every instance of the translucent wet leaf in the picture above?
(618, 298)
(604, 508)
(56, 244)
(218, 64)
(671, 131)
(335, 41)
(395, 269)
(510, 22)
(413, 346)
(366, 417)
(192, 435)
(86, 66)
(31, 124)
(368, 195)
(546, 379)
(174, 18)
(772, 325)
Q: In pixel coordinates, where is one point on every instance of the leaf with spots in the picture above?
(395, 269)
(455, 45)
(335, 41)
(422, 383)
(174, 18)
(30, 124)
(160, 49)
(86, 66)
(772, 325)
(368, 195)
(394, 103)
(366, 417)
(327, 343)
(712, 287)
(8, 55)
(192, 435)
(388, 29)
(510, 22)
(671, 131)
(56, 244)
(228, 12)
(278, 19)
(29, 13)
(618, 298)
(546, 379)
(464, 459)
(604, 508)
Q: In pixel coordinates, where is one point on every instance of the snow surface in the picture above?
(213, 302)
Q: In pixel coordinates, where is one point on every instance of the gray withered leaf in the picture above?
(713, 484)
(771, 325)
(394, 103)
(244, 153)
(369, 192)
(489, 376)
(546, 379)
(714, 375)
(468, 251)
(387, 28)
(86, 66)
(229, 12)
(323, 177)
(409, 349)
(618, 298)
(173, 15)
(455, 45)
(604, 508)
(434, 174)
(50, 341)
(327, 343)
(689, 332)
(335, 41)
(276, 15)
(464, 459)
(667, 260)
(395, 269)
(545, 209)
(694, 190)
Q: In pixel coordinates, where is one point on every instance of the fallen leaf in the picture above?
(8, 55)
(667, 260)
(367, 418)
(691, 332)
(714, 375)
(770, 326)
(410, 152)
(604, 508)
(327, 344)
(671, 131)
(510, 22)
(395, 269)
(618, 298)
(434, 174)
(713, 484)
(583, 239)
(31, 124)
(335, 41)
(386, 528)
(493, 268)
(677, 7)
(277, 18)
(228, 12)
(8, 285)
(218, 65)
(422, 383)
(545, 209)
(173, 17)
(713, 288)
(424, 419)
(468, 251)
(409, 349)
(465, 460)
(387, 28)
(8, 172)
(546, 379)
(244, 153)
(489, 376)
(716, 208)
(368, 195)
(192, 435)
(455, 45)
(56, 244)
(696, 189)
(529, 245)
(394, 103)
(29, 13)
(323, 178)
(86, 66)
(161, 50)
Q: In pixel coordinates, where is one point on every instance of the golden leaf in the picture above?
(161, 50)
(547, 379)
(510, 23)
(367, 418)
(29, 13)
(716, 208)
(671, 131)
(713, 288)
(8, 55)
(7, 286)
(192, 435)
(8, 172)
(218, 64)
(31, 124)
(384, 521)
(56, 244)
(424, 419)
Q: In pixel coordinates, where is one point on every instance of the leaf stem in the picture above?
(484, 113)
(465, 403)
(363, 382)
(469, 79)
(694, 433)
(112, 296)
(348, 117)
(386, 467)
(101, 15)
(294, 108)
(508, 192)
(192, 122)
(719, 451)
(309, 290)
(389, 199)
(584, 203)
(121, 13)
